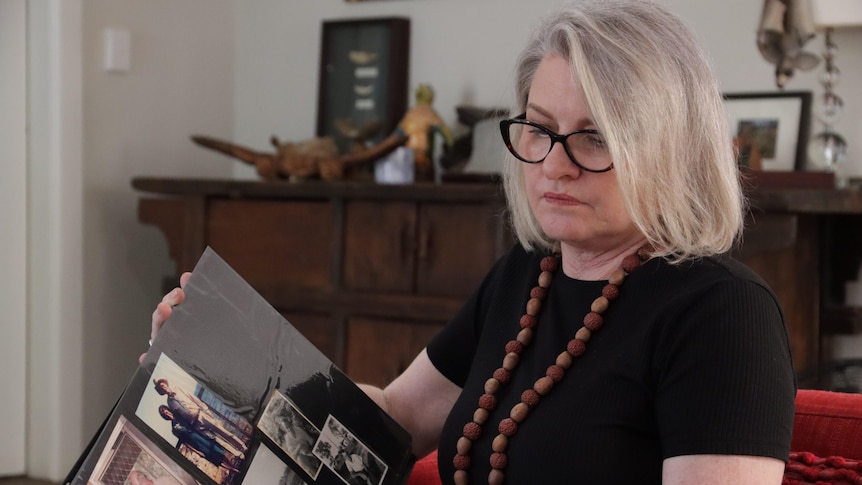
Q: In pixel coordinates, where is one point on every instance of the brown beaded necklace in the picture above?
(530, 398)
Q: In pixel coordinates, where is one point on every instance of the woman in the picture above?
(617, 342)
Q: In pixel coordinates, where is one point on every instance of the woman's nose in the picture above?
(558, 164)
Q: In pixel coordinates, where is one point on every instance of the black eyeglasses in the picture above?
(531, 142)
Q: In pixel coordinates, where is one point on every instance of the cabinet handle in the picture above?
(423, 252)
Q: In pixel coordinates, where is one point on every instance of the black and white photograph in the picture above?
(291, 431)
(347, 457)
(131, 458)
(266, 467)
(194, 420)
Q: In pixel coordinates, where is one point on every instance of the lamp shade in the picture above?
(837, 13)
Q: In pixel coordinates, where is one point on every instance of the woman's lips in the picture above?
(560, 199)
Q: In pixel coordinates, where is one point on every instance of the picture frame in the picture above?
(770, 129)
(363, 77)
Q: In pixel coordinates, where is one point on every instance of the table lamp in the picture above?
(828, 148)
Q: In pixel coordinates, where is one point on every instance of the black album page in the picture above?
(230, 393)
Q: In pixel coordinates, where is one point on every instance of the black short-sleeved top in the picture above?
(692, 359)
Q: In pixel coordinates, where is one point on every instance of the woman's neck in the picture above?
(596, 265)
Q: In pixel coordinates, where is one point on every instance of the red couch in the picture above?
(826, 446)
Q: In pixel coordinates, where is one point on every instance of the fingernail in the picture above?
(173, 293)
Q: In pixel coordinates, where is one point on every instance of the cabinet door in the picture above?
(457, 244)
(379, 242)
(379, 350)
(274, 245)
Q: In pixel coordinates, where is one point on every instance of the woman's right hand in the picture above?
(165, 307)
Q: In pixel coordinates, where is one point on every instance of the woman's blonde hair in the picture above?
(656, 100)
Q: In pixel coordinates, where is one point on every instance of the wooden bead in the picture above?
(600, 305)
(564, 360)
(617, 277)
(496, 477)
(510, 361)
(543, 385)
(545, 279)
(461, 477)
(519, 412)
(500, 443)
(611, 292)
(583, 334)
(492, 386)
(525, 336)
(480, 416)
(528, 321)
(463, 446)
(533, 306)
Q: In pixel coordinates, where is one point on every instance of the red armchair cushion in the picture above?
(425, 471)
(828, 424)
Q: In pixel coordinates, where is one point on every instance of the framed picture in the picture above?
(770, 129)
(363, 79)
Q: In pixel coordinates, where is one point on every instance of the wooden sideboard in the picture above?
(370, 272)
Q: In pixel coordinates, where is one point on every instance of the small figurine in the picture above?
(419, 125)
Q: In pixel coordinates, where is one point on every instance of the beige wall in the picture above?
(13, 237)
(248, 69)
(138, 123)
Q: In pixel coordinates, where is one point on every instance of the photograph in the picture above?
(195, 421)
(770, 130)
(347, 457)
(131, 458)
(290, 430)
(266, 467)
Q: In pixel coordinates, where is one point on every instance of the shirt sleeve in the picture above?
(725, 380)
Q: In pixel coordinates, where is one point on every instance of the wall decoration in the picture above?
(363, 79)
(770, 129)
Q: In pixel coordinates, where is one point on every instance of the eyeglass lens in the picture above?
(533, 143)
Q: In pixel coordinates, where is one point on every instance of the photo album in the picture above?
(231, 393)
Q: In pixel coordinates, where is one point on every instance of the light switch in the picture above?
(118, 50)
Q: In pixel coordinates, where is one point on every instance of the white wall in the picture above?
(247, 70)
(138, 123)
(54, 233)
(466, 49)
(13, 237)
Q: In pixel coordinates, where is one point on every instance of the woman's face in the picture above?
(578, 208)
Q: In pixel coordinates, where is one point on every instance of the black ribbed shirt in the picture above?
(692, 359)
